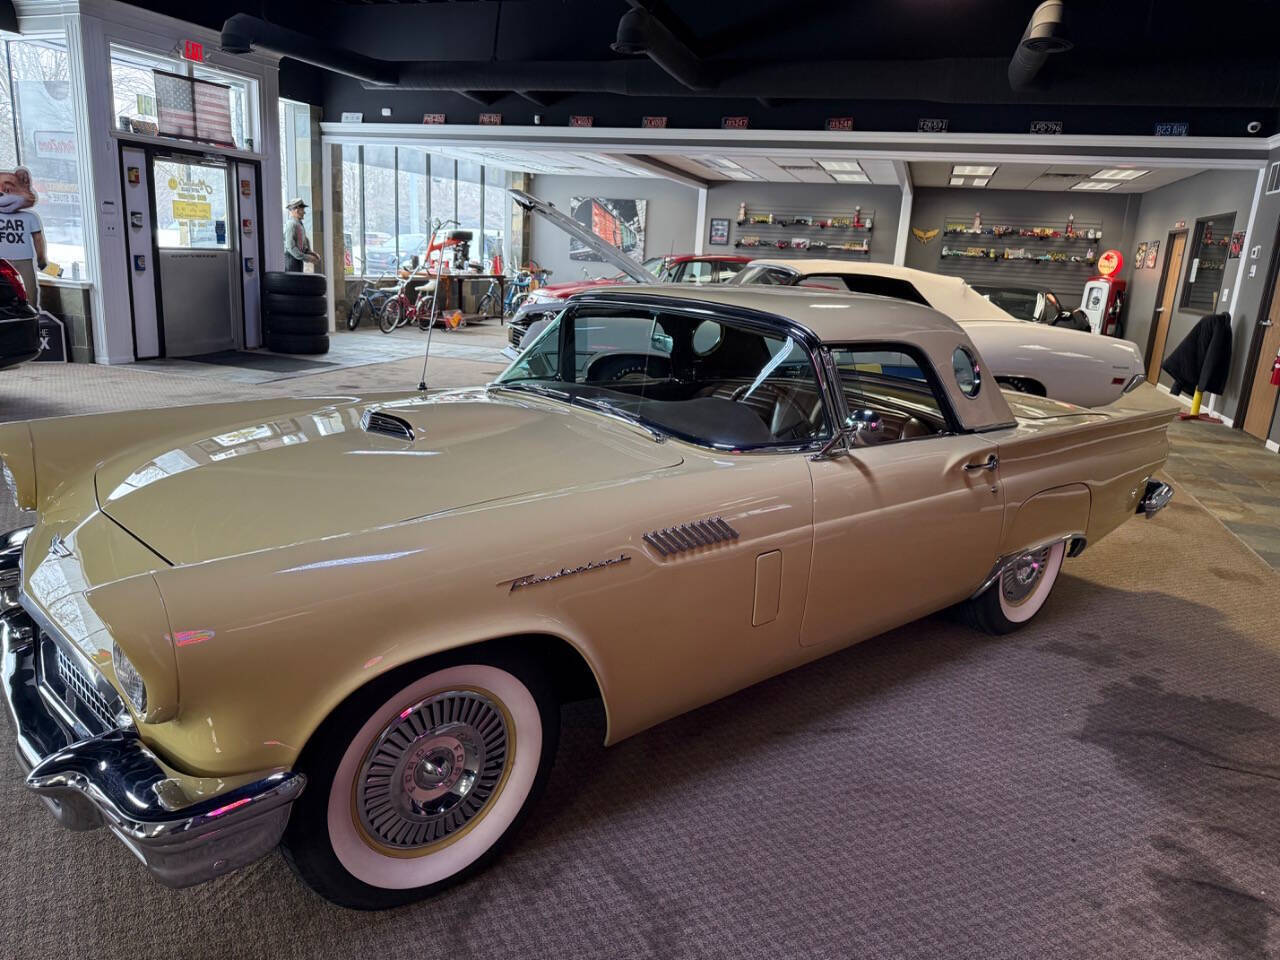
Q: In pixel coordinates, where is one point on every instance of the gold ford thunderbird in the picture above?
(345, 625)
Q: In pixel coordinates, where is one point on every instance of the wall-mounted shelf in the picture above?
(1021, 253)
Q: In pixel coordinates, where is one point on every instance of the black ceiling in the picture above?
(1132, 65)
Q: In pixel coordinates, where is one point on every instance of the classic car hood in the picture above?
(258, 485)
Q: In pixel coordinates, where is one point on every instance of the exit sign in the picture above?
(193, 50)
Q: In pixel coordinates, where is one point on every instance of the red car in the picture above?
(681, 268)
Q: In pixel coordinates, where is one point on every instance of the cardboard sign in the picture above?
(53, 339)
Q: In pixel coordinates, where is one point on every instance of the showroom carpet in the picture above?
(1104, 784)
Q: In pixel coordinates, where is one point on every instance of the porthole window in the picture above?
(706, 337)
(968, 373)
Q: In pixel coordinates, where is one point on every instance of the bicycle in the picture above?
(490, 303)
(368, 303)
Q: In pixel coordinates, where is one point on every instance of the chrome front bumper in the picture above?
(113, 779)
(1155, 499)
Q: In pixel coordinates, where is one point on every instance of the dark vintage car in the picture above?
(19, 321)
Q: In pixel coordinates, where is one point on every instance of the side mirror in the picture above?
(863, 427)
(860, 430)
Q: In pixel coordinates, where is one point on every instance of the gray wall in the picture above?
(935, 206)
(814, 200)
(1206, 194)
(668, 228)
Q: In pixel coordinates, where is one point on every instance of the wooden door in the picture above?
(1164, 312)
(1262, 398)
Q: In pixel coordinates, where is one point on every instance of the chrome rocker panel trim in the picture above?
(1155, 499)
(113, 779)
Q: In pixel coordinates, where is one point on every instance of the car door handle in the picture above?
(990, 463)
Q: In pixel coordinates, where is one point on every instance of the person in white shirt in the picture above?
(21, 232)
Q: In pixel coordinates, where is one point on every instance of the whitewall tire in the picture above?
(1020, 591)
(414, 785)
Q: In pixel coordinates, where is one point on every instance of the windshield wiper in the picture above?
(532, 387)
(609, 409)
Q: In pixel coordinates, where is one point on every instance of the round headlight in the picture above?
(130, 680)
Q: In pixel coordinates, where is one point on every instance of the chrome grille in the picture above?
(375, 421)
(515, 334)
(77, 687)
(690, 536)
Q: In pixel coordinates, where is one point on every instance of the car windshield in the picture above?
(1019, 302)
(709, 380)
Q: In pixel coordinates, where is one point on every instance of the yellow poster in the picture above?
(192, 210)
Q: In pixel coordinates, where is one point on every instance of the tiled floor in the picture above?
(1235, 477)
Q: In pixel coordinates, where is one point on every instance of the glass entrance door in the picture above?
(195, 242)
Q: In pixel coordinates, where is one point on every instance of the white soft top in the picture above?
(949, 295)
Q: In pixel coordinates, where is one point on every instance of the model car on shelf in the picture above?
(1054, 361)
(19, 320)
(202, 655)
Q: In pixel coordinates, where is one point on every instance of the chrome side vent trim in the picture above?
(690, 536)
(376, 421)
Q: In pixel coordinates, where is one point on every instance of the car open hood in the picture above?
(258, 485)
(607, 252)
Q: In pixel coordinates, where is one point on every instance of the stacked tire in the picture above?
(297, 312)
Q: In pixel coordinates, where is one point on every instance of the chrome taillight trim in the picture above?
(689, 536)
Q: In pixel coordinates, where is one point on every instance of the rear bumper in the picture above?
(113, 779)
(1155, 499)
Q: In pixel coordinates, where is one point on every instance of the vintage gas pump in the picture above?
(1103, 297)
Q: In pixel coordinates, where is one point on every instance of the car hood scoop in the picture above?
(347, 467)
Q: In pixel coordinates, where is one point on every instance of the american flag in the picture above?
(193, 109)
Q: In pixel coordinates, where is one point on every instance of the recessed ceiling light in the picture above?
(981, 181)
(829, 165)
(971, 170)
(850, 177)
(1096, 185)
(1120, 173)
(957, 181)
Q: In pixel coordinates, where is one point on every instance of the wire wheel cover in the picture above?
(432, 771)
(1019, 579)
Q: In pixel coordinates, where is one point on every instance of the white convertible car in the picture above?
(1071, 365)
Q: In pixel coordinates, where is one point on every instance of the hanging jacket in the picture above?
(1203, 359)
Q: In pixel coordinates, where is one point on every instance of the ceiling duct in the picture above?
(1045, 35)
(241, 33)
(640, 32)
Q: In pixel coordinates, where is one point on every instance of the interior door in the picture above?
(1262, 397)
(1168, 292)
(908, 524)
(250, 234)
(198, 259)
